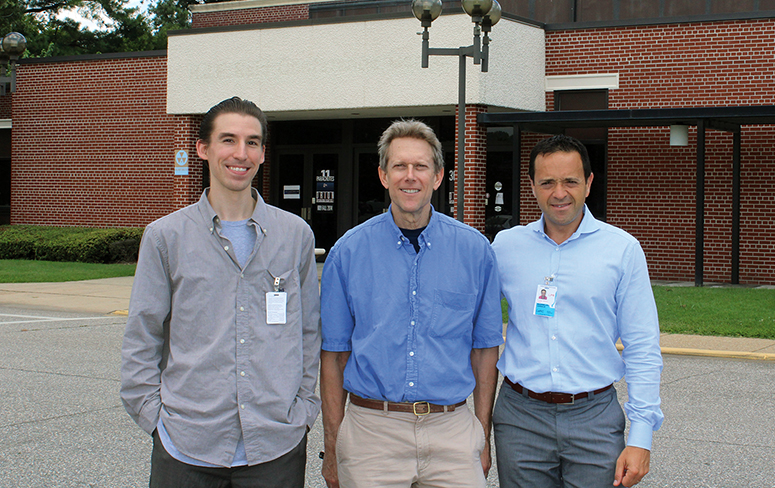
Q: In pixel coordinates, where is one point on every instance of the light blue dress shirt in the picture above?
(411, 318)
(603, 294)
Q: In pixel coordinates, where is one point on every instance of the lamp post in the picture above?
(11, 46)
(484, 14)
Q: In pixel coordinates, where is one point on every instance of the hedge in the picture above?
(79, 244)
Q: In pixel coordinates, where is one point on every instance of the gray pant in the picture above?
(543, 445)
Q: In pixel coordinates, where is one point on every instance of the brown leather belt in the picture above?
(553, 397)
(417, 408)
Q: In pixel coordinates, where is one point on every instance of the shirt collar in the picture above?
(588, 225)
(211, 218)
(424, 236)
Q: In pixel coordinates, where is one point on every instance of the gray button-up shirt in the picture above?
(197, 349)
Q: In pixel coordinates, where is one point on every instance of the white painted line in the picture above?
(44, 319)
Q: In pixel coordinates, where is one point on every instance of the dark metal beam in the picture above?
(699, 239)
(516, 174)
(736, 142)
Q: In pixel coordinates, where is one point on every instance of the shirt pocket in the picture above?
(453, 314)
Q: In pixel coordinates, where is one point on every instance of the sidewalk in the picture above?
(111, 296)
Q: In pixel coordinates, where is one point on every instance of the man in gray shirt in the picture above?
(221, 350)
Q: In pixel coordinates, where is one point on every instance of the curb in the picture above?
(711, 353)
(761, 356)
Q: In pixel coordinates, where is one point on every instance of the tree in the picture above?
(122, 29)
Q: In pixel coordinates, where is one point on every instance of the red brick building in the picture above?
(93, 140)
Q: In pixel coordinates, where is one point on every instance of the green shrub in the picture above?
(70, 244)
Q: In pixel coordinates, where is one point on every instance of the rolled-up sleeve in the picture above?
(142, 351)
(338, 321)
(488, 324)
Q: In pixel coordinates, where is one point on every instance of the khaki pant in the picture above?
(396, 449)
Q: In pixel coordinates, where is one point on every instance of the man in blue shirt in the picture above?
(557, 419)
(411, 326)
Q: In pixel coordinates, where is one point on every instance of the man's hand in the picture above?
(632, 466)
(330, 473)
(486, 458)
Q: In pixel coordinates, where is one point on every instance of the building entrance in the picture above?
(311, 188)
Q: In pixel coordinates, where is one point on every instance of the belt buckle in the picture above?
(427, 407)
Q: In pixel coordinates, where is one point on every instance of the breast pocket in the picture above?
(452, 314)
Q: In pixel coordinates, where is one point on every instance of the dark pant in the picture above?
(287, 471)
(540, 445)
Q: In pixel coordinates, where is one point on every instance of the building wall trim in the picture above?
(595, 81)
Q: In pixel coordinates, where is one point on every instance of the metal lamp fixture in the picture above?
(12, 45)
(679, 135)
(484, 14)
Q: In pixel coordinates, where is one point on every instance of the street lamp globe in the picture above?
(426, 10)
(494, 15)
(14, 44)
(477, 8)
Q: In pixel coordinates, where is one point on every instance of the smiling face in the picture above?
(234, 152)
(560, 188)
(410, 180)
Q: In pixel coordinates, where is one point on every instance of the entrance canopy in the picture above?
(728, 119)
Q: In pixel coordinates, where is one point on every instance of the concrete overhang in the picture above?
(358, 68)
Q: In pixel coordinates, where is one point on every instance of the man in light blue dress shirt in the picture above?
(574, 286)
(411, 320)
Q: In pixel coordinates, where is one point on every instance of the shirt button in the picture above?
(414, 292)
(412, 322)
(554, 369)
(242, 309)
(554, 338)
(226, 248)
(242, 341)
(242, 406)
(242, 373)
(411, 353)
(411, 383)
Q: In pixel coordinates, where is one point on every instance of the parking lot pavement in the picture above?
(63, 424)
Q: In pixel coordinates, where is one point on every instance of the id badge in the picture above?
(276, 302)
(546, 297)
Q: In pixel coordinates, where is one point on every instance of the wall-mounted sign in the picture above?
(181, 163)
(324, 191)
(292, 192)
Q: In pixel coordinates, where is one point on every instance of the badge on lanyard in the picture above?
(546, 299)
(276, 304)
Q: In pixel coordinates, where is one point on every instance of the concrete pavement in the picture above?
(111, 296)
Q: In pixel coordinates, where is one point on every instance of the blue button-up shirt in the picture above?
(603, 294)
(410, 319)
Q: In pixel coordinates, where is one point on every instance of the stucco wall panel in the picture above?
(356, 65)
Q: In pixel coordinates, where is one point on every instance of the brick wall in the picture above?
(92, 143)
(475, 168)
(245, 16)
(651, 185)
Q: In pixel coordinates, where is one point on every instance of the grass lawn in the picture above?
(730, 312)
(27, 271)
